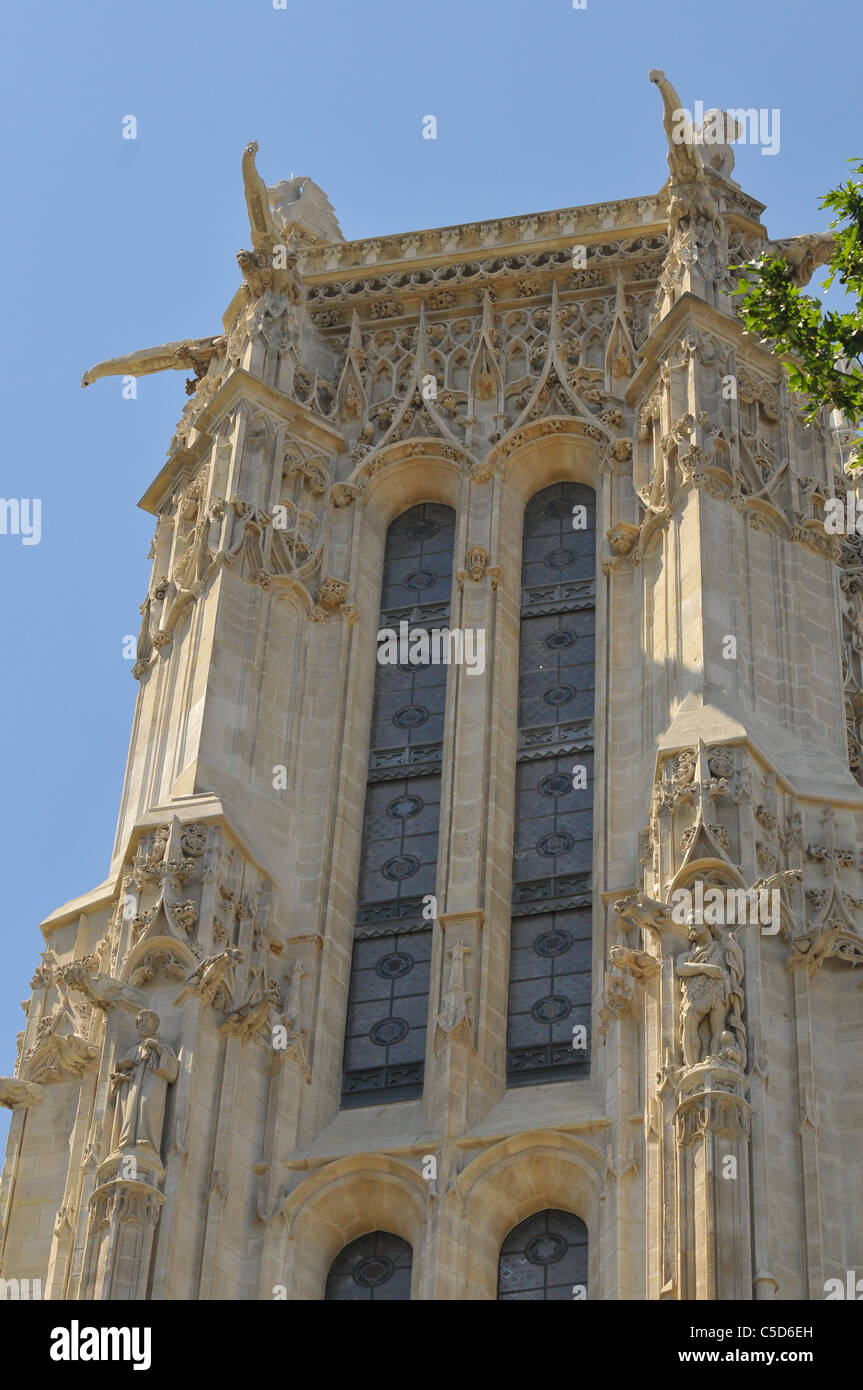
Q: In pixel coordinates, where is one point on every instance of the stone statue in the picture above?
(715, 136)
(711, 1004)
(253, 1015)
(141, 1080)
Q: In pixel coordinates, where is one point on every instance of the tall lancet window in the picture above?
(549, 988)
(385, 1038)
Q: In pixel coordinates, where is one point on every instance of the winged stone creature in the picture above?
(212, 981)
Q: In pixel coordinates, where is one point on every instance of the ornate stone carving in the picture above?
(213, 980)
(252, 1017)
(195, 353)
(154, 963)
(57, 1056)
(802, 254)
(638, 910)
(103, 991)
(454, 1020)
(291, 1044)
(623, 537)
(617, 1001)
(639, 964)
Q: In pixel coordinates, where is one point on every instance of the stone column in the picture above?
(711, 1135)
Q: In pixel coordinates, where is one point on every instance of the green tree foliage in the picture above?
(825, 346)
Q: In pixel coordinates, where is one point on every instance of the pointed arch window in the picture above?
(550, 957)
(388, 1000)
(544, 1259)
(375, 1268)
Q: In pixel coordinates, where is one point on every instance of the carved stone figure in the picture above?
(56, 1056)
(194, 353)
(213, 981)
(715, 136)
(638, 910)
(253, 1015)
(103, 991)
(684, 158)
(454, 1016)
(140, 1081)
(23, 1093)
(711, 997)
(639, 964)
(802, 254)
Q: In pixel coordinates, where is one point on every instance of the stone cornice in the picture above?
(526, 231)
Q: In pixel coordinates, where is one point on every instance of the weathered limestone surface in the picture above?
(149, 1098)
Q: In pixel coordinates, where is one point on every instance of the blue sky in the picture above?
(113, 245)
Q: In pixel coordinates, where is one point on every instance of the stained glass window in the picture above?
(375, 1268)
(388, 1002)
(544, 1258)
(549, 988)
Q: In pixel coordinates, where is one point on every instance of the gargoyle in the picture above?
(777, 880)
(14, 1092)
(692, 208)
(263, 228)
(684, 159)
(638, 910)
(102, 991)
(191, 354)
(56, 1056)
(270, 265)
(802, 254)
(641, 965)
(213, 981)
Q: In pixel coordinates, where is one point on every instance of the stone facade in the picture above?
(179, 1130)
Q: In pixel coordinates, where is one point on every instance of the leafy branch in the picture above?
(826, 347)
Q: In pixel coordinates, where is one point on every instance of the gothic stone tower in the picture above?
(385, 995)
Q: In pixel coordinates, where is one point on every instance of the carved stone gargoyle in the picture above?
(253, 1016)
(103, 991)
(14, 1092)
(56, 1056)
(213, 981)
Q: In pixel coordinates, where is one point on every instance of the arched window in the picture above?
(376, 1267)
(549, 985)
(387, 1007)
(544, 1258)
